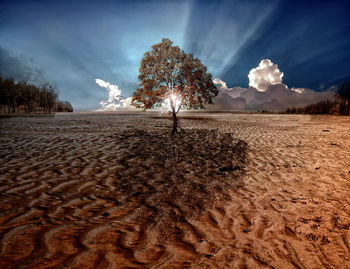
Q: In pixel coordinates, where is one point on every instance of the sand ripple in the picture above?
(232, 191)
(111, 199)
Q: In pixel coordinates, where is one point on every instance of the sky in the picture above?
(74, 43)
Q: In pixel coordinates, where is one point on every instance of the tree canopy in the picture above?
(343, 95)
(167, 70)
(167, 73)
(15, 96)
(344, 91)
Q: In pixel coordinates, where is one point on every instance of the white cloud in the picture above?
(219, 83)
(266, 92)
(114, 93)
(266, 74)
(275, 97)
(115, 99)
(298, 90)
(127, 102)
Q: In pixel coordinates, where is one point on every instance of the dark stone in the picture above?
(136, 194)
(105, 214)
(229, 168)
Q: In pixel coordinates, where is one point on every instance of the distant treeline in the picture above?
(340, 106)
(26, 97)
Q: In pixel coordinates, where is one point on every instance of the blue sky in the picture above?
(72, 43)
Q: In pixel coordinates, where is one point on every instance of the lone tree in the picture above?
(168, 74)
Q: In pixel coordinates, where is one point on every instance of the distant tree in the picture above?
(15, 96)
(343, 97)
(63, 106)
(30, 98)
(52, 97)
(167, 73)
(334, 107)
(48, 97)
(2, 94)
(11, 94)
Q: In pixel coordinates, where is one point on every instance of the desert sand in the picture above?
(231, 191)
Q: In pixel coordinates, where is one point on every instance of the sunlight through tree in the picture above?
(169, 75)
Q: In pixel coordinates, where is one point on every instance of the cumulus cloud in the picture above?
(275, 97)
(266, 92)
(264, 75)
(115, 99)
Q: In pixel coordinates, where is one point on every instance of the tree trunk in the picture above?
(174, 123)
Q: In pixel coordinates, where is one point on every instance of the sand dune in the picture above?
(231, 191)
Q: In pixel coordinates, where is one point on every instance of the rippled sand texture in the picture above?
(232, 191)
